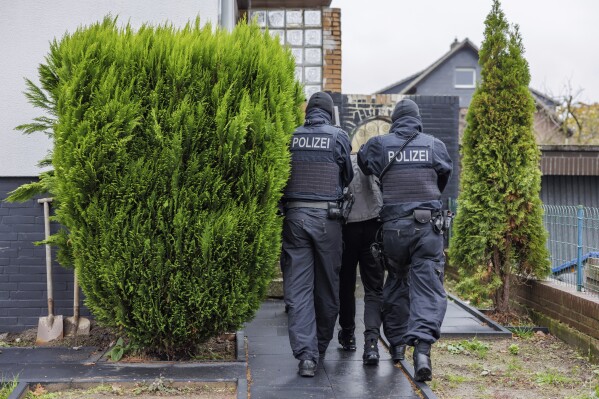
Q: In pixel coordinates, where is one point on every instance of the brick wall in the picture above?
(571, 316)
(23, 265)
(331, 47)
(578, 310)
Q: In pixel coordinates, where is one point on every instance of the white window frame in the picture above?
(469, 86)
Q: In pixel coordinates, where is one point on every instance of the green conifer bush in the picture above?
(170, 155)
(498, 230)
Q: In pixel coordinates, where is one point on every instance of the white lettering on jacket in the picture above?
(411, 155)
(311, 142)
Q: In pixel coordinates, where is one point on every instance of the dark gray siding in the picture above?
(440, 118)
(570, 190)
(23, 265)
(441, 80)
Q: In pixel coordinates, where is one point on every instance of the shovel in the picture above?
(49, 328)
(76, 325)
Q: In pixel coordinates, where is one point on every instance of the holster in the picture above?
(376, 249)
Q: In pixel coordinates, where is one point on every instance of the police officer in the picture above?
(414, 169)
(358, 234)
(312, 246)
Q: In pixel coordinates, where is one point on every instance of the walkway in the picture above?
(270, 370)
(273, 369)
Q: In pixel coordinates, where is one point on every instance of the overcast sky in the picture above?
(387, 40)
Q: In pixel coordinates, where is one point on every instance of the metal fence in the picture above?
(573, 245)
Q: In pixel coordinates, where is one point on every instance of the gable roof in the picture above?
(418, 77)
(414, 80)
(403, 81)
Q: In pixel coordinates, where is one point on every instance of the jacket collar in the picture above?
(317, 116)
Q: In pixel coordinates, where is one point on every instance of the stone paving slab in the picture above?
(45, 355)
(341, 374)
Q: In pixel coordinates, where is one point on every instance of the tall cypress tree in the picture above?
(498, 228)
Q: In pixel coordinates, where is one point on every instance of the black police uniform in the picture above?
(414, 298)
(312, 246)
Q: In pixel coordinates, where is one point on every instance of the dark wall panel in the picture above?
(23, 296)
(570, 190)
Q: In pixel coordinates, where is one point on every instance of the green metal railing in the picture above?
(573, 244)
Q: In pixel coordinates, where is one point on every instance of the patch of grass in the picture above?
(455, 349)
(514, 365)
(514, 349)
(479, 348)
(474, 346)
(6, 387)
(454, 379)
(552, 377)
(523, 332)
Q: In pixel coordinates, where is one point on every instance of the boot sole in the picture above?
(370, 362)
(307, 373)
(424, 375)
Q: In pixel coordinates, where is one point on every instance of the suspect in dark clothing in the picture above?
(320, 170)
(358, 234)
(414, 298)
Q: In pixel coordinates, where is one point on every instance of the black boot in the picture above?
(371, 352)
(307, 368)
(347, 339)
(398, 353)
(423, 370)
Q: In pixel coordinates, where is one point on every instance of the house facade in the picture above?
(456, 73)
(309, 27)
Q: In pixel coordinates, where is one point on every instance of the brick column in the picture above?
(331, 47)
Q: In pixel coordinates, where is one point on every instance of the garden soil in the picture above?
(524, 367)
(220, 348)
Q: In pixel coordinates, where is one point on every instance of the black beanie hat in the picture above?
(321, 100)
(405, 107)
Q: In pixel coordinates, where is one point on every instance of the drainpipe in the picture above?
(227, 14)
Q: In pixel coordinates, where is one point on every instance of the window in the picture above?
(465, 78)
(301, 30)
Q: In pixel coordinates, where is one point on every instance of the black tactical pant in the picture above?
(311, 261)
(414, 298)
(357, 238)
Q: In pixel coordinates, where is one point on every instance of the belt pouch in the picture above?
(422, 215)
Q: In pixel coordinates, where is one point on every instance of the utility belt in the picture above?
(336, 210)
(441, 220)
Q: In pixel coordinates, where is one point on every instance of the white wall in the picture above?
(26, 29)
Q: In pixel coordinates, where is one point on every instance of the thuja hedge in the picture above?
(170, 154)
